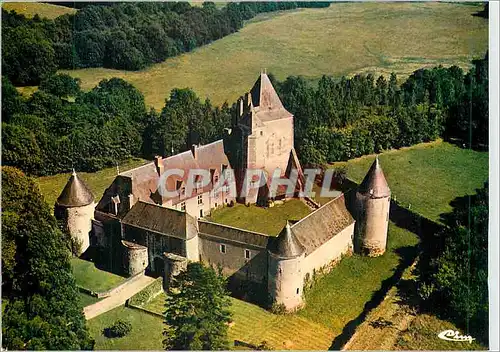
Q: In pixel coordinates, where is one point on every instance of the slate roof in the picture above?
(75, 194)
(286, 244)
(323, 224)
(232, 233)
(374, 184)
(162, 220)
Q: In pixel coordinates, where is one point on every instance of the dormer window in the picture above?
(114, 204)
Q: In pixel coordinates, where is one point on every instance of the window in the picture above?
(297, 291)
(261, 133)
(201, 213)
(183, 191)
(222, 248)
(183, 206)
(200, 199)
(216, 205)
(247, 254)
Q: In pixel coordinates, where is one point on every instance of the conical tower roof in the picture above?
(287, 245)
(75, 194)
(374, 183)
(263, 94)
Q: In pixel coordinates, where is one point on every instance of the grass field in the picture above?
(29, 9)
(52, 186)
(345, 38)
(428, 176)
(87, 300)
(92, 278)
(269, 221)
(146, 331)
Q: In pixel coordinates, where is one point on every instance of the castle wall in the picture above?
(135, 258)
(329, 252)
(286, 281)
(233, 262)
(193, 249)
(156, 243)
(373, 224)
(78, 221)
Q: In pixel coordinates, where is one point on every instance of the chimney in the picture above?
(240, 103)
(158, 164)
(131, 200)
(194, 150)
(248, 98)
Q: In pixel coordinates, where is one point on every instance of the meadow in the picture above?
(30, 9)
(92, 278)
(344, 39)
(428, 176)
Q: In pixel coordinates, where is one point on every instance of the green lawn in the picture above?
(265, 220)
(52, 186)
(87, 300)
(346, 38)
(252, 324)
(92, 278)
(29, 9)
(339, 297)
(146, 331)
(428, 176)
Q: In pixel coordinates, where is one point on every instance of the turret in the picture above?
(285, 279)
(75, 209)
(373, 199)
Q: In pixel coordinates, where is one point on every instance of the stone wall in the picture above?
(135, 258)
(286, 281)
(78, 222)
(373, 221)
(330, 252)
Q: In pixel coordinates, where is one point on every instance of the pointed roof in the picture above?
(263, 94)
(75, 194)
(374, 183)
(287, 245)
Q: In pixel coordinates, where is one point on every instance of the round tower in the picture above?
(75, 208)
(285, 279)
(373, 202)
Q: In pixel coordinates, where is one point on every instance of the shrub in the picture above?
(278, 308)
(119, 329)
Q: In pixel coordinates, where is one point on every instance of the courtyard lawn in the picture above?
(427, 176)
(252, 325)
(92, 278)
(52, 186)
(29, 9)
(146, 331)
(346, 38)
(269, 221)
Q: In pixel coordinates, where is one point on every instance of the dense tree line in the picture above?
(60, 127)
(40, 302)
(453, 268)
(349, 117)
(126, 36)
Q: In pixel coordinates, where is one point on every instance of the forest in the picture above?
(61, 127)
(127, 36)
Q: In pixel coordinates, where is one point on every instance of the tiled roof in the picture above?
(323, 224)
(286, 244)
(374, 184)
(232, 234)
(75, 194)
(162, 220)
(266, 103)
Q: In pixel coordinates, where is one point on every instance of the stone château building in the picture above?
(135, 228)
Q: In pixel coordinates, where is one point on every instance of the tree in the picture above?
(453, 269)
(61, 85)
(43, 310)
(197, 310)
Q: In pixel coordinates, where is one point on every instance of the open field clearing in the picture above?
(269, 221)
(30, 9)
(344, 39)
(428, 176)
(92, 278)
(52, 186)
